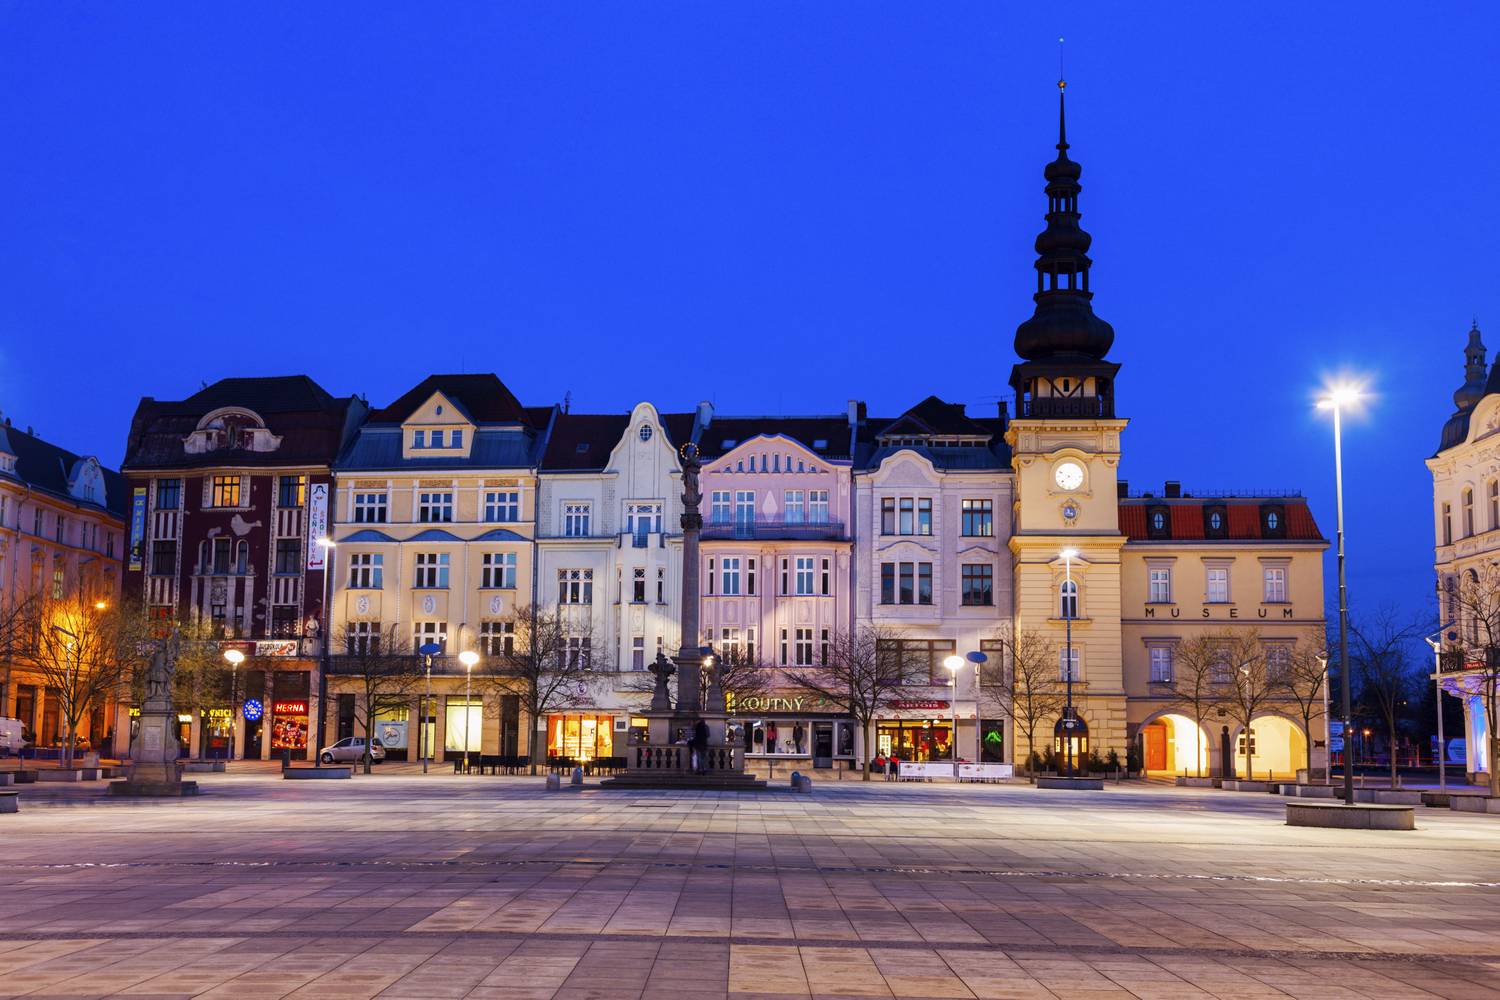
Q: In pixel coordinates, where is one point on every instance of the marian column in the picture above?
(689, 655)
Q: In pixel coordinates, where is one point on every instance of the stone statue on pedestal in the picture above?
(154, 770)
(661, 698)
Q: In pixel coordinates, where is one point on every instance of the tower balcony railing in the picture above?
(770, 529)
(1085, 407)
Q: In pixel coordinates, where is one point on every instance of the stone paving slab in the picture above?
(398, 885)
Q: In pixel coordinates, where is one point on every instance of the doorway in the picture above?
(822, 748)
(1156, 747)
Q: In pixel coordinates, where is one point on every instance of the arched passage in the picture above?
(1173, 744)
(1279, 745)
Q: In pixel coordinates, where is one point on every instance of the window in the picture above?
(719, 507)
(1161, 664)
(498, 571)
(638, 585)
(924, 516)
(784, 660)
(744, 508)
(109, 546)
(36, 521)
(978, 518)
(749, 645)
(906, 516)
(661, 586)
(731, 571)
(455, 438)
(1159, 585)
(168, 494)
(1215, 522)
(711, 576)
(1157, 524)
(1218, 585)
(817, 506)
(906, 583)
(575, 586)
(60, 526)
(645, 432)
(497, 638)
(580, 653)
(750, 576)
(1468, 511)
(794, 504)
(288, 556)
(503, 506)
(1067, 661)
(641, 519)
(434, 507)
(978, 584)
(1494, 503)
(825, 647)
(365, 571)
(425, 632)
(1275, 585)
(58, 576)
(915, 661)
(419, 439)
(905, 522)
(826, 585)
(163, 558)
(888, 515)
(1220, 670)
(285, 622)
(638, 653)
(1273, 520)
(804, 576)
(576, 519)
(1278, 661)
(224, 491)
(1447, 524)
(291, 491)
(432, 571)
(1068, 599)
(803, 647)
(369, 508)
(362, 639)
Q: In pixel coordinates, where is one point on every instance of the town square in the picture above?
(749, 499)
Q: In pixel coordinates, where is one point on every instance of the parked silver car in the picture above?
(351, 749)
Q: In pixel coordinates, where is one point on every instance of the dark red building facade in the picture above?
(229, 491)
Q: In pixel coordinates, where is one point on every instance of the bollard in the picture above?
(554, 782)
(577, 776)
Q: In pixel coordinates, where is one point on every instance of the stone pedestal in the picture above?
(154, 768)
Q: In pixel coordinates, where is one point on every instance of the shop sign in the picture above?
(763, 703)
(298, 707)
(253, 710)
(138, 528)
(276, 647)
(317, 524)
(391, 734)
(217, 713)
(923, 705)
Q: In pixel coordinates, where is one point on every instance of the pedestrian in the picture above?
(700, 747)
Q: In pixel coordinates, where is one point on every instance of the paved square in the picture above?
(399, 885)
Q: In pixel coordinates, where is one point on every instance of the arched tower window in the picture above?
(1068, 599)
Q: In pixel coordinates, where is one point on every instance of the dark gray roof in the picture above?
(46, 468)
(994, 459)
(380, 448)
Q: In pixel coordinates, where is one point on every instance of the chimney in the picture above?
(1122, 488)
(856, 414)
(1173, 490)
(705, 414)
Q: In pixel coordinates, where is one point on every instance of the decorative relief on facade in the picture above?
(429, 604)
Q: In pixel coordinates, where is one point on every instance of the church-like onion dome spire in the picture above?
(1475, 388)
(1064, 324)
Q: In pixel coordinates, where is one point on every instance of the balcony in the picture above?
(772, 530)
(1047, 407)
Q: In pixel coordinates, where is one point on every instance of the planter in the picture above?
(61, 774)
(1298, 791)
(1243, 785)
(1388, 796)
(1475, 803)
(1360, 816)
(325, 772)
(1183, 781)
(1079, 784)
(10, 802)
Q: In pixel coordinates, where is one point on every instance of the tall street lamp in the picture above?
(977, 658)
(1339, 397)
(468, 658)
(235, 658)
(69, 693)
(427, 650)
(327, 545)
(1435, 640)
(1069, 609)
(954, 663)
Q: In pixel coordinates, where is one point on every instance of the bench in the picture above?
(321, 772)
(10, 802)
(1360, 816)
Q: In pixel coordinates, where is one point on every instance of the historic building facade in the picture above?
(1466, 543)
(434, 524)
(61, 536)
(230, 491)
(934, 496)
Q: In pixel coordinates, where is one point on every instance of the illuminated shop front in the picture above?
(792, 726)
(463, 725)
(580, 737)
(216, 732)
(289, 724)
(915, 739)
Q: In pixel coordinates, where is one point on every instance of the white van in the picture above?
(10, 737)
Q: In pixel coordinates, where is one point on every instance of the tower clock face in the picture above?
(1068, 475)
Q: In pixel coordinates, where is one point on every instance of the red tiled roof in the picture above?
(1186, 519)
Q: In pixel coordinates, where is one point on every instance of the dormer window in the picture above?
(1273, 522)
(1158, 523)
(419, 439)
(1216, 522)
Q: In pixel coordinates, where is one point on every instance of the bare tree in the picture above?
(1244, 679)
(866, 669)
(1303, 683)
(74, 645)
(740, 676)
(387, 675)
(550, 664)
(1033, 677)
(1474, 606)
(1382, 664)
(17, 613)
(1193, 687)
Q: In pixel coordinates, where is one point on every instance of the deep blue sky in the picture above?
(779, 206)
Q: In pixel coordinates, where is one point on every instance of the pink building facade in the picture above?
(777, 569)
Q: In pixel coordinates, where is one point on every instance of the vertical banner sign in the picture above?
(138, 528)
(317, 524)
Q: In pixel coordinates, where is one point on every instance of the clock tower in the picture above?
(1065, 445)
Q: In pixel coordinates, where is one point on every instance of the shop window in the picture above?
(580, 737)
(463, 725)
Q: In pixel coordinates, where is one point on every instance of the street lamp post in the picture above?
(69, 694)
(327, 544)
(427, 650)
(1337, 398)
(468, 658)
(955, 663)
(235, 658)
(977, 658)
(1070, 606)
